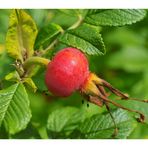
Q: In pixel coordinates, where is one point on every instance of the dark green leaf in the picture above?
(115, 17)
(21, 35)
(86, 38)
(46, 35)
(14, 108)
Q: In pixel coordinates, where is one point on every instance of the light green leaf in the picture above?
(21, 35)
(101, 126)
(46, 35)
(86, 38)
(115, 17)
(66, 118)
(14, 108)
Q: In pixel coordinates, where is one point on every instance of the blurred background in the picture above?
(125, 64)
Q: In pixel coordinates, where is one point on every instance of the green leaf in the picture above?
(14, 108)
(66, 118)
(115, 17)
(46, 35)
(21, 35)
(101, 126)
(86, 38)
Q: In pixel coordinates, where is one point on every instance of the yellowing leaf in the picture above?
(21, 35)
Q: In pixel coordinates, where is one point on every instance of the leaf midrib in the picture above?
(19, 34)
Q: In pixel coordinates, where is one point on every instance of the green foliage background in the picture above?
(125, 65)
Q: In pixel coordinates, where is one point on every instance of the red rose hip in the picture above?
(66, 72)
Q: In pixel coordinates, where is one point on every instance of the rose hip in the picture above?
(66, 72)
